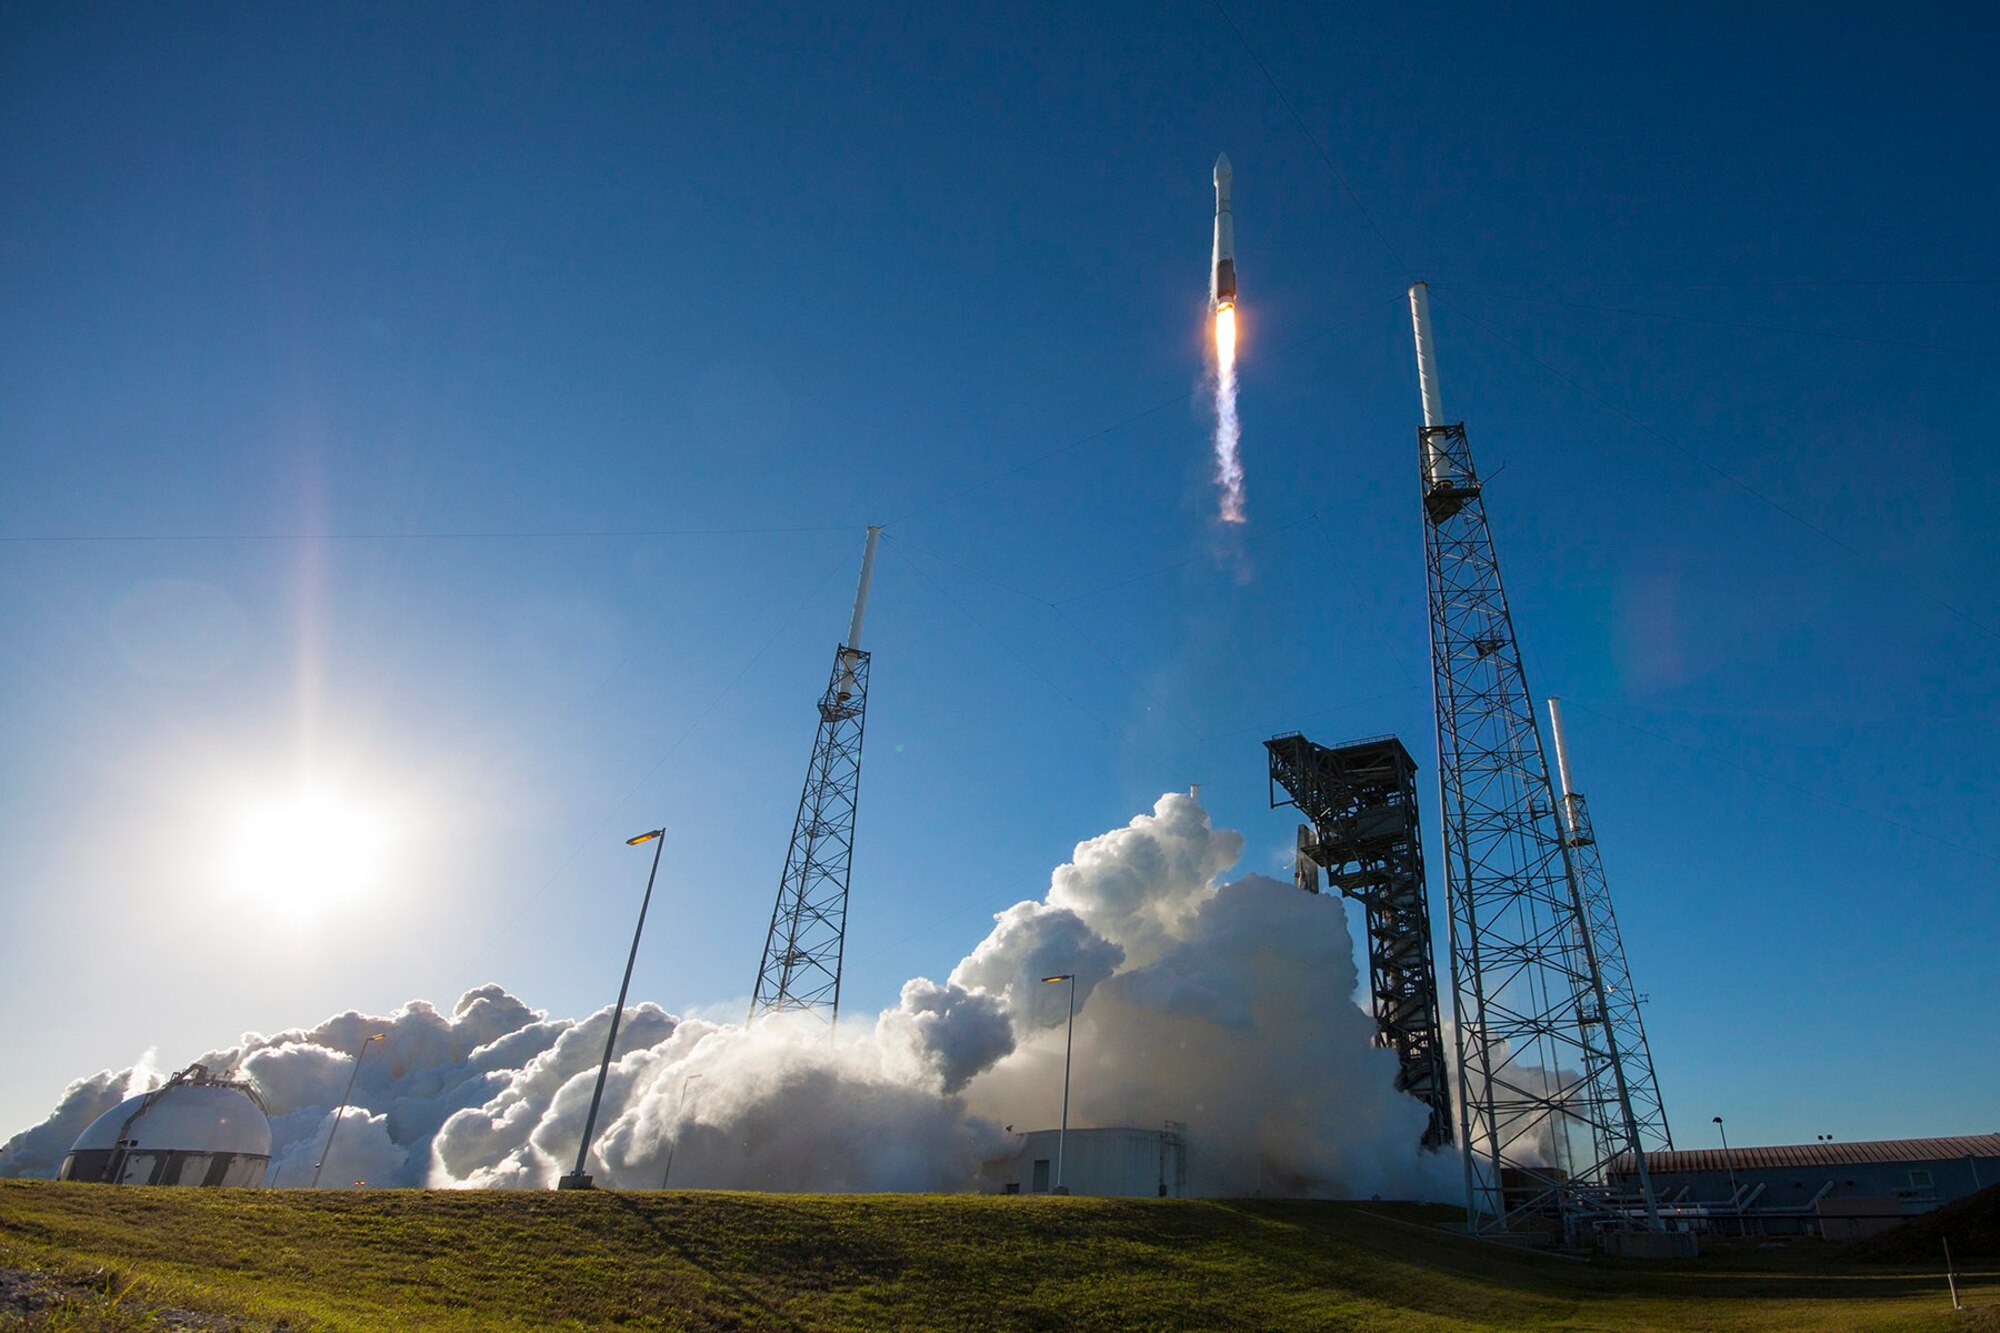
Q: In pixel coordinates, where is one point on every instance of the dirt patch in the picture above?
(37, 1298)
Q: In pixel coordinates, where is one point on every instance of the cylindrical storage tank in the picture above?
(197, 1130)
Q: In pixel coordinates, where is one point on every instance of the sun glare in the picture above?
(308, 851)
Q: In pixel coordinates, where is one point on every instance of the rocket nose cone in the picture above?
(1222, 172)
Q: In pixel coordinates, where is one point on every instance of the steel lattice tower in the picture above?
(808, 936)
(1364, 838)
(1542, 1089)
(1621, 998)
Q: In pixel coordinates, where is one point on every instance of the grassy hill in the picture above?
(1972, 1224)
(125, 1258)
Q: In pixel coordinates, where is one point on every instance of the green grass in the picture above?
(409, 1260)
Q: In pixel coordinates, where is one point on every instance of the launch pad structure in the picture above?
(1361, 799)
(804, 949)
(1621, 998)
(1545, 1099)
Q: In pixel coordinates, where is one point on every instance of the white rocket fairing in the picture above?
(1222, 269)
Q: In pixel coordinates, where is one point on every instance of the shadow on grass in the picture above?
(1798, 1274)
(670, 1242)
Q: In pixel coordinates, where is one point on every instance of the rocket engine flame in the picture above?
(1228, 429)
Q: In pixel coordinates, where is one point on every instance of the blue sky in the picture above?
(1714, 291)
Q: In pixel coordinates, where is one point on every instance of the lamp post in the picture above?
(1735, 1190)
(579, 1179)
(668, 1174)
(1069, 1047)
(1727, 1161)
(360, 1051)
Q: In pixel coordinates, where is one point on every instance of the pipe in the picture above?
(1738, 1200)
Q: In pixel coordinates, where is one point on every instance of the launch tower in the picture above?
(1543, 1096)
(802, 952)
(1362, 800)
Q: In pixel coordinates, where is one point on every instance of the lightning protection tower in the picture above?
(1543, 1098)
(1362, 800)
(1621, 998)
(802, 952)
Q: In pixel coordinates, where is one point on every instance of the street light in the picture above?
(668, 1174)
(1069, 1046)
(1730, 1162)
(579, 1179)
(335, 1127)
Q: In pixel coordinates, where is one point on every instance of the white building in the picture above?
(197, 1130)
(1117, 1163)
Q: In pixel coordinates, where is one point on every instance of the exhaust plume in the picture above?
(1225, 1005)
(1228, 429)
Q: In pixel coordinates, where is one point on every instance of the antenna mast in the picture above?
(1621, 998)
(808, 935)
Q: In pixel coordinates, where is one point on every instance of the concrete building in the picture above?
(1118, 1163)
(197, 1130)
(1839, 1190)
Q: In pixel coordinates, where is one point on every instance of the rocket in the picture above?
(1222, 271)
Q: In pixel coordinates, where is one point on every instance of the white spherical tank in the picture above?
(197, 1130)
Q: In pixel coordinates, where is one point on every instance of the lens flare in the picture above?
(1228, 430)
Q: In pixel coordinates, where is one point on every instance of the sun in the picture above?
(309, 850)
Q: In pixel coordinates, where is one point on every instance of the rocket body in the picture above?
(1222, 266)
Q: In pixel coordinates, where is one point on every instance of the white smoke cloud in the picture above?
(780, 1107)
(523, 1131)
(1227, 1006)
(947, 1032)
(39, 1150)
(1030, 941)
(1232, 1011)
(146, 1074)
(362, 1153)
(426, 1067)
